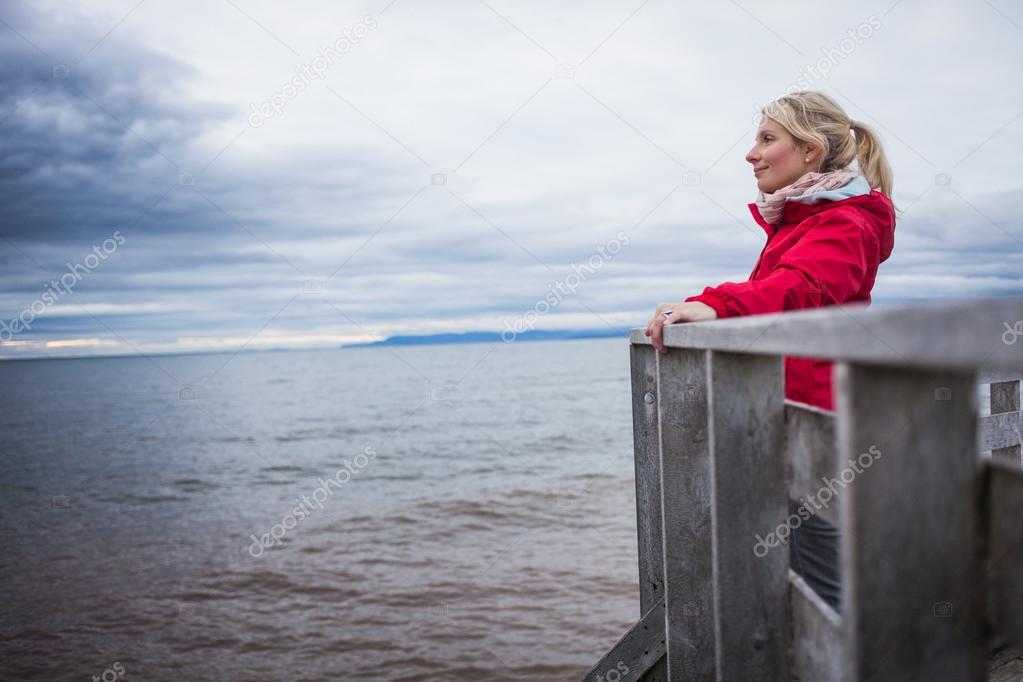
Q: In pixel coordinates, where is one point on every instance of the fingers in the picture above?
(655, 327)
(657, 334)
(658, 316)
(655, 330)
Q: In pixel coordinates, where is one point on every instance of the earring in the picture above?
(808, 159)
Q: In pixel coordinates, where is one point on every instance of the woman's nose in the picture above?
(752, 156)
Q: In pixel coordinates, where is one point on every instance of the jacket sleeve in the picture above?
(826, 266)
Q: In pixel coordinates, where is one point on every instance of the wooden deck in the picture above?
(931, 521)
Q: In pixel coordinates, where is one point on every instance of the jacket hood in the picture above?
(878, 209)
(882, 212)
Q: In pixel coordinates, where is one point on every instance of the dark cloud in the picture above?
(88, 144)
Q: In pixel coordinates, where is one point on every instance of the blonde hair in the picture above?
(814, 118)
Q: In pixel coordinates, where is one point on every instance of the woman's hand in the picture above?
(694, 311)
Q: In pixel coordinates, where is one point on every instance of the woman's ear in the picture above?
(810, 153)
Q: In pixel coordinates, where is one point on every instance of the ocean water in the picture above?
(461, 512)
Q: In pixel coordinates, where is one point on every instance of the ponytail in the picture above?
(871, 158)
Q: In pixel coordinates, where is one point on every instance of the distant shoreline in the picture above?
(487, 337)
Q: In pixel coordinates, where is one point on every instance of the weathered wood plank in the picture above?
(811, 454)
(816, 635)
(646, 444)
(1005, 548)
(1000, 431)
(636, 653)
(750, 500)
(1006, 664)
(686, 496)
(1005, 399)
(912, 593)
(957, 334)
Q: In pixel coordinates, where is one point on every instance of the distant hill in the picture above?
(490, 337)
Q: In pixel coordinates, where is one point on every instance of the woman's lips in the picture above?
(758, 171)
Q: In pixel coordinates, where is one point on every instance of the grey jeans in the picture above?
(813, 554)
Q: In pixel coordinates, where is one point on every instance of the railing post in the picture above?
(750, 498)
(911, 548)
(686, 498)
(646, 444)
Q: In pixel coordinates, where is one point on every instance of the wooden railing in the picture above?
(931, 525)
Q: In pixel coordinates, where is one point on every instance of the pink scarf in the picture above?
(772, 205)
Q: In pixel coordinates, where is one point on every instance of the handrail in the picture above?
(953, 335)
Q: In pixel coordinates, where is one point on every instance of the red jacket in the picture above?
(820, 254)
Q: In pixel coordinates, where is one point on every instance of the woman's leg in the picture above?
(813, 554)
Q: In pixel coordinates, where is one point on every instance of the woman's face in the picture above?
(777, 159)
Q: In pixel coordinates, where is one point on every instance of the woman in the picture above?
(828, 228)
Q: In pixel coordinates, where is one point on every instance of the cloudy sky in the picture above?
(244, 173)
